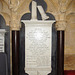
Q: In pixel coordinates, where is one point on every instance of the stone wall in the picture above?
(70, 43)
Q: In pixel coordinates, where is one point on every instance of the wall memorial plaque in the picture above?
(2, 33)
(38, 46)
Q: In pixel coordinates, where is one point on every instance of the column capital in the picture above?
(60, 25)
(15, 25)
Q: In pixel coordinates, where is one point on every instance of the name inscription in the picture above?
(38, 47)
(2, 33)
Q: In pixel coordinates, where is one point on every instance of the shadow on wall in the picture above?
(27, 16)
(7, 40)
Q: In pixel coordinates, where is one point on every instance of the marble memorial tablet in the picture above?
(38, 46)
(2, 33)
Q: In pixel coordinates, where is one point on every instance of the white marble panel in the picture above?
(38, 47)
(2, 38)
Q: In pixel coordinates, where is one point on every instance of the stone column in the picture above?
(15, 33)
(15, 52)
(60, 26)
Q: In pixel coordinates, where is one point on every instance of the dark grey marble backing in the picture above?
(7, 41)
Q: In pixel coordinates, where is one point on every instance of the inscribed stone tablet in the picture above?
(38, 44)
